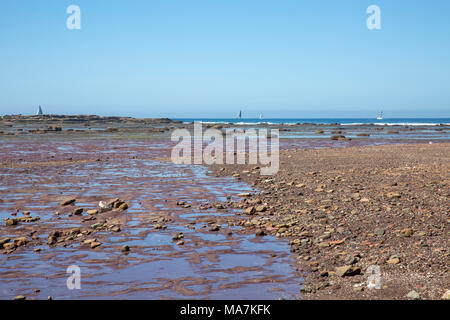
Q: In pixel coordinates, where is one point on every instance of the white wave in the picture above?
(395, 124)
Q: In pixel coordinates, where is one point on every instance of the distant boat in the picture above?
(380, 116)
(240, 114)
(39, 111)
(260, 116)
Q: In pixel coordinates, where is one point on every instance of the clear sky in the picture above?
(210, 58)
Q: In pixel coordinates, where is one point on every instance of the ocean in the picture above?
(340, 121)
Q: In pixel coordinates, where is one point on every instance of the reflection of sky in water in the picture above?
(141, 183)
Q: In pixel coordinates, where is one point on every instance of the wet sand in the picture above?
(217, 259)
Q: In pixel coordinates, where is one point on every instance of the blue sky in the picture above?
(211, 58)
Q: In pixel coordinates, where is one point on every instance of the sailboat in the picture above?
(260, 116)
(39, 111)
(240, 114)
(380, 116)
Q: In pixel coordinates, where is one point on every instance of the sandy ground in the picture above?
(347, 209)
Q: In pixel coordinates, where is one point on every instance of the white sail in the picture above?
(39, 111)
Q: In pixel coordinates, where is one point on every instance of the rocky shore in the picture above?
(350, 211)
(343, 212)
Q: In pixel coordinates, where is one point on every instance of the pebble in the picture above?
(125, 248)
(260, 208)
(115, 229)
(11, 222)
(282, 230)
(358, 288)
(392, 195)
(67, 202)
(446, 295)
(95, 244)
(393, 261)
(250, 210)
(3, 241)
(178, 236)
(407, 232)
(19, 297)
(260, 232)
(78, 211)
(347, 271)
(214, 227)
(245, 194)
(350, 260)
(413, 295)
(97, 225)
(21, 241)
(9, 246)
(52, 240)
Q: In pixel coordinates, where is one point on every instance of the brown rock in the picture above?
(77, 211)
(393, 195)
(11, 222)
(393, 261)
(123, 206)
(407, 232)
(21, 241)
(177, 236)
(347, 271)
(446, 295)
(95, 244)
(260, 232)
(9, 246)
(3, 241)
(214, 227)
(67, 202)
(337, 137)
(260, 208)
(250, 210)
(52, 240)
